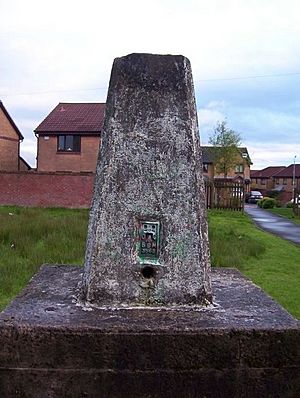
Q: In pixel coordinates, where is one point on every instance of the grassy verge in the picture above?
(30, 237)
(285, 212)
(270, 262)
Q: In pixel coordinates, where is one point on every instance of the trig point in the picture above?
(144, 331)
(147, 240)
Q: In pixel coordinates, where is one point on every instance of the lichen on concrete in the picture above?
(149, 168)
(244, 345)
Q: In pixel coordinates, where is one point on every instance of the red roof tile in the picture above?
(253, 172)
(289, 171)
(74, 118)
(267, 172)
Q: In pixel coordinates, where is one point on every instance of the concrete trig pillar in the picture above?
(147, 239)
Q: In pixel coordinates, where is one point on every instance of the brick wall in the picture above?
(284, 197)
(49, 159)
(23, 166)
(9, 145)
(46, 189)
(9, 159)
(211, 172)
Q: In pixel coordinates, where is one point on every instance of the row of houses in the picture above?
(68, 141)
(280, 179)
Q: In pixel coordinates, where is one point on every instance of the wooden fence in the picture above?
(225, 194)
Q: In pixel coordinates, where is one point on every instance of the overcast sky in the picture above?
(245, 56)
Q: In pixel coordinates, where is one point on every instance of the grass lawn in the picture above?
(270, 262)
(30, 237)
(285, 212)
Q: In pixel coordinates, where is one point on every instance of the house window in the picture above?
(205, 168)
(239, 168)
(263, 181)
(284, 181)
(68, 143)
(276, 180)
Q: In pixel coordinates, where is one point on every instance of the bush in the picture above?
(259, 203)
(267, 203)
(290, 205)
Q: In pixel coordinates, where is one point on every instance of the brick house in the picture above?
(265, 179)
(10, 139)
(68, 138)
(241, 170)
(285, 178)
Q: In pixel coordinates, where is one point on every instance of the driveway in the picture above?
(275, 224)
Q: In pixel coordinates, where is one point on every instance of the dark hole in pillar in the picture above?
(148, 272)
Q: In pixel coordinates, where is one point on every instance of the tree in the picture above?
(225, 152)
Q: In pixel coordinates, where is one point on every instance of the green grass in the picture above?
(285, 212)
(270, 262)
(30, 237)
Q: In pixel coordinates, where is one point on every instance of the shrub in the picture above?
(267, 203)
(289, 205)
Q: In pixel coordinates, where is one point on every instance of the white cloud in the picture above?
(48, 47)
(273, 154)
(73, 43)
(265, 126)
(209, 117)
(28, 151)
(213, 112)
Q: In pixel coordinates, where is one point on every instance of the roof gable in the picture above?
(74, 118)
(2, 107)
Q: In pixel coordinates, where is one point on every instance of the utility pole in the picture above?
(294, 180)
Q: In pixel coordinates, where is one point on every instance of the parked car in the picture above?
(253, 197)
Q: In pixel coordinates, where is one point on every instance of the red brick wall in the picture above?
(46, 189)
(49, 159)
(9, 158)
(22, 165)
(9, 145)
(285, 197)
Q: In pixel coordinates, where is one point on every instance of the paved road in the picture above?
(275, 224)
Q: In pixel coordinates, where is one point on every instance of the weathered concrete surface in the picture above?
(244, 346)
(149, 168)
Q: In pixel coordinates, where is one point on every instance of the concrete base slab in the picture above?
(245, 345)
